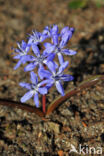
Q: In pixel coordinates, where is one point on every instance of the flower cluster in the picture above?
(41, 56)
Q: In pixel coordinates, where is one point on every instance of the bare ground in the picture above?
(79, 120)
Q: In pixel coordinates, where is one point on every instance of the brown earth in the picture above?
(80, 119)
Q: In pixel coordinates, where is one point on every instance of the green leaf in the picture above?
(83, 85)
(99, 3)
(75, 4)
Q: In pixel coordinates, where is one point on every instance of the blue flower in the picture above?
(53, 77)
(66, 34)
(58, 48)
(59, 41)
(33, 88)
(53, 32)
(21, 53)
(50, 31)
(39, 60)
(42, 58)
(36, 38)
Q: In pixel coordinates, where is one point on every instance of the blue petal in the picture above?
(36, 99)
(25, 85)
(64, 30)
(65, 38)
(68, 52)
(23, 60)
(24, 45)
(51, 66)
(50, 57)
(67, 77)
(27, 96)
(28, 58)
(30, 67)
(54, 30)
(45, 82)
(55, 64)
(27, 48)
(49, 47)
(17, 50)
(49, 85)
(30, 41)
(18, 44)
(61, 59)
(44, 73)
(68, 34)
(72, 30)
(33, 77)
(63, 66)
(62, 44)
(18, 64)
(45, 53)
(42, 90)
(17, 57)
(43, 37)
(55, 39)
(59, 88)
(36, 50)
(39, 72)
(46, 31)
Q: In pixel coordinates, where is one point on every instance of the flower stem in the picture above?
(44, 98)
(44, 103)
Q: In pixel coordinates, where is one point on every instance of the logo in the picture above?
(86, 150)
(73, 149)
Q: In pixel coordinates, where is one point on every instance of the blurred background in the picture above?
(17, 19)
(24, 133)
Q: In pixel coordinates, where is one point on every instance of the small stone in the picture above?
(100, 38)
(54, 127)
(66, 112)
(18, 126)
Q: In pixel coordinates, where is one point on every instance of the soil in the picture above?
(77, 121)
